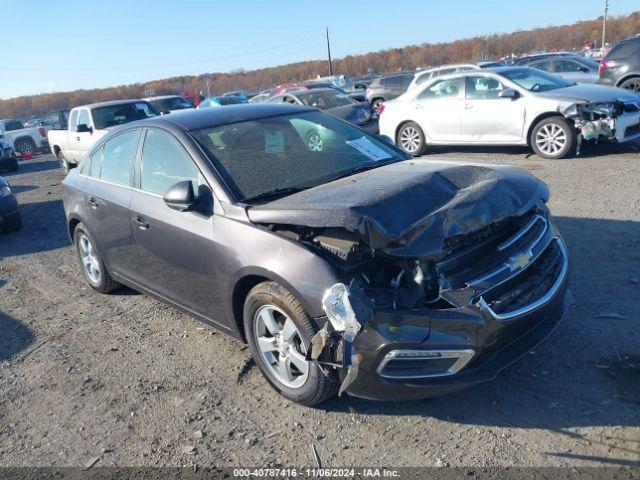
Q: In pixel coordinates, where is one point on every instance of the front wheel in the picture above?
(411, 139)
(632, 84)
(553, 138)
(279, 332)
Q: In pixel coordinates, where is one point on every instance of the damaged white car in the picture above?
(511, 106)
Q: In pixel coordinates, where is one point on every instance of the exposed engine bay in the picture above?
(597, 121)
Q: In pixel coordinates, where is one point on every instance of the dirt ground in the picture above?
(128, 381)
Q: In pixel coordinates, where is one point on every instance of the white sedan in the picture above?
(510, 106)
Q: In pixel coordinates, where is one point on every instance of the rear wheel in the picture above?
(279, 332)
(91, 261)
(553, 138)
(375, 105)
(64, 163)
(411, 139)
(632, 84)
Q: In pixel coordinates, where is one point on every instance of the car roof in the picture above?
(161, 97)
(111, 103)
(195, 119)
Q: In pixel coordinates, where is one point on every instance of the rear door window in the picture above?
(560, 66)
(117, 158)
(73, 120)
(450, 88)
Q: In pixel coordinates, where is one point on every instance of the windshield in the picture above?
(536, 80)
(173, 103)
(295, 151)
(104, 117)
(323, 99)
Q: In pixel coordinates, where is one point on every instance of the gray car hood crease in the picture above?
(410, 208)
(591, 94)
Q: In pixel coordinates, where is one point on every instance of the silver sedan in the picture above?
(510, 106)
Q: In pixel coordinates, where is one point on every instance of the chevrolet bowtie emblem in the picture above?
(519, 260)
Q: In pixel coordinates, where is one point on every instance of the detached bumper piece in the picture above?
(507, 291)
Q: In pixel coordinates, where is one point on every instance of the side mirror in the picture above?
(83, 128)
(180, 196)
(509, 93)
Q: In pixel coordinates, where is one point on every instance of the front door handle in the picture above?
(418, 106)
(468, 106)
(140, 221)
(78, 138)
(93, 203)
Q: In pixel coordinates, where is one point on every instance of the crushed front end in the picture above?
(446, 273)
(617, 121)
(427, 327)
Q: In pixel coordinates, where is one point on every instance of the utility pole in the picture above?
(329, 53)
(604, 22)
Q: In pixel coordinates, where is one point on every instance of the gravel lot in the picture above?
(130, 381)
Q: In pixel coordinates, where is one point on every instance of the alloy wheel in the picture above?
(633, 85)
(551, 139)
(410, 139)
(90, 262)
(314, 142)
(280, 345)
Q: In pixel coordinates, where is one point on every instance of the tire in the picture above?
(91, 263)
(411, 139)
(64, 163)
(26, 146)
(375, 105)
(12, 223)
(293, 328)
(632, 84)
(553, 138)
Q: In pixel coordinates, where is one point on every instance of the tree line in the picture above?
(565, 37)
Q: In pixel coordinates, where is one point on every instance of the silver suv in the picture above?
(387, 87)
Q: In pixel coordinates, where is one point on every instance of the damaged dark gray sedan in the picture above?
(349, 267)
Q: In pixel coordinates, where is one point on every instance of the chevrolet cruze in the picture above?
(345, 264)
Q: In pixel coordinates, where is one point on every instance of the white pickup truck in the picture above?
(24, 140)
(88, 123)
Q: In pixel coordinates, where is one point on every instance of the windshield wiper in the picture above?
(271, 194)
(360, 169)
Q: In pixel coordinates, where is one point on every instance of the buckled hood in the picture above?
(410, 208)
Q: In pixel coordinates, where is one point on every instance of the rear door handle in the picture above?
(140, 221)
(468, 106)
(78, 138)
(418, 106)
(93, 202)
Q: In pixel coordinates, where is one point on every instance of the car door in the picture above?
(84, 135)
(175, 248)
(107, 195)
(574, 71)
(437, 110)
(488, 118)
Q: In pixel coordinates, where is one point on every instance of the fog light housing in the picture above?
(336, 304)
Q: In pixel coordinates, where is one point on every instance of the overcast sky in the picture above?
(64, 45)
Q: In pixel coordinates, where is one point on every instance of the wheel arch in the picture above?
(242, 284)
(538, 119)
(627, 76)
(72, 223)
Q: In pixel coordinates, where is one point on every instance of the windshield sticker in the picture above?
(274, 141)
(368, 148)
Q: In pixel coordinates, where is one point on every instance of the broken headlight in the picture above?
(336, 305)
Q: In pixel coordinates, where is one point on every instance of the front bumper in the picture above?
(628, 127)
(464, 346)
